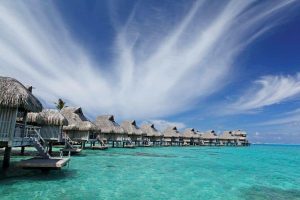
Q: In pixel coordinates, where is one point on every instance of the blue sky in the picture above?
(218, 65)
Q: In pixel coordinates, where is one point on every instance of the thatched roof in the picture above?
(209, 135)
(107, 124)
(47, 117)
(198, 134)
(189, 133)
(150, 130)
(241, 135)
(77, 120)
(171, 132)
(14, 94)
(130, 127)
(226, 136)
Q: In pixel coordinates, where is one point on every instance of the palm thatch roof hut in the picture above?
(226, 138)
(51, 122)
(133, 131)
(189, 135)
(209, 138)
(15, 101)
(110, 129)
(79, 128)
(152, 133)
(171, 136)
(241, 137)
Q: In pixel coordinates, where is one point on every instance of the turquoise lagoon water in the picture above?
(256, 172)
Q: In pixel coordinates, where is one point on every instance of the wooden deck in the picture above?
(129, 146)
(54, 163)
(98, 147)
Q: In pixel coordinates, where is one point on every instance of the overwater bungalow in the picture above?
(80, 129)
(190, 137)
(15, 102)
(241, 137)
(171, 136)
(111, 131)
(152, 134)
(135, 134)
(51, 124)
(227, 139)
(209, 138)
(198, 138)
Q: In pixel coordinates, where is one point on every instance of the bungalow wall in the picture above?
(175, 141)
(7, 125)
(115, 136)
(167, 141)
(51, 132)
(78, 135)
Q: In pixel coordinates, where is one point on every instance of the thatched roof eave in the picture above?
(15, 95)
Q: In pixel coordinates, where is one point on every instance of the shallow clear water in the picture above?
(256, 172)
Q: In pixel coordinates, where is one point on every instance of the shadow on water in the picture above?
(139, 154)
(16, 174)
(269, 193)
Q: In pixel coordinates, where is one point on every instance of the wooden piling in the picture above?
(22, 150)
(50, 148)
(6, 158)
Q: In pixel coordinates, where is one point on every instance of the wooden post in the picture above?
(6, 158)
(50, 148)
(83, 145)
(22, 150)
(113, 144)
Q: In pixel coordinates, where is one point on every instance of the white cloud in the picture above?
(266, 91)
(163, 124)
(159, 67)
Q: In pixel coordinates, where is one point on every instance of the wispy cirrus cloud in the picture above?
(291, 118)
(159, 67)
(266, 91)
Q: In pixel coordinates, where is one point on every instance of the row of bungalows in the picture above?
(23, 122)
(105, 130)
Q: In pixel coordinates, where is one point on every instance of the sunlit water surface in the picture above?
(256, 172)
